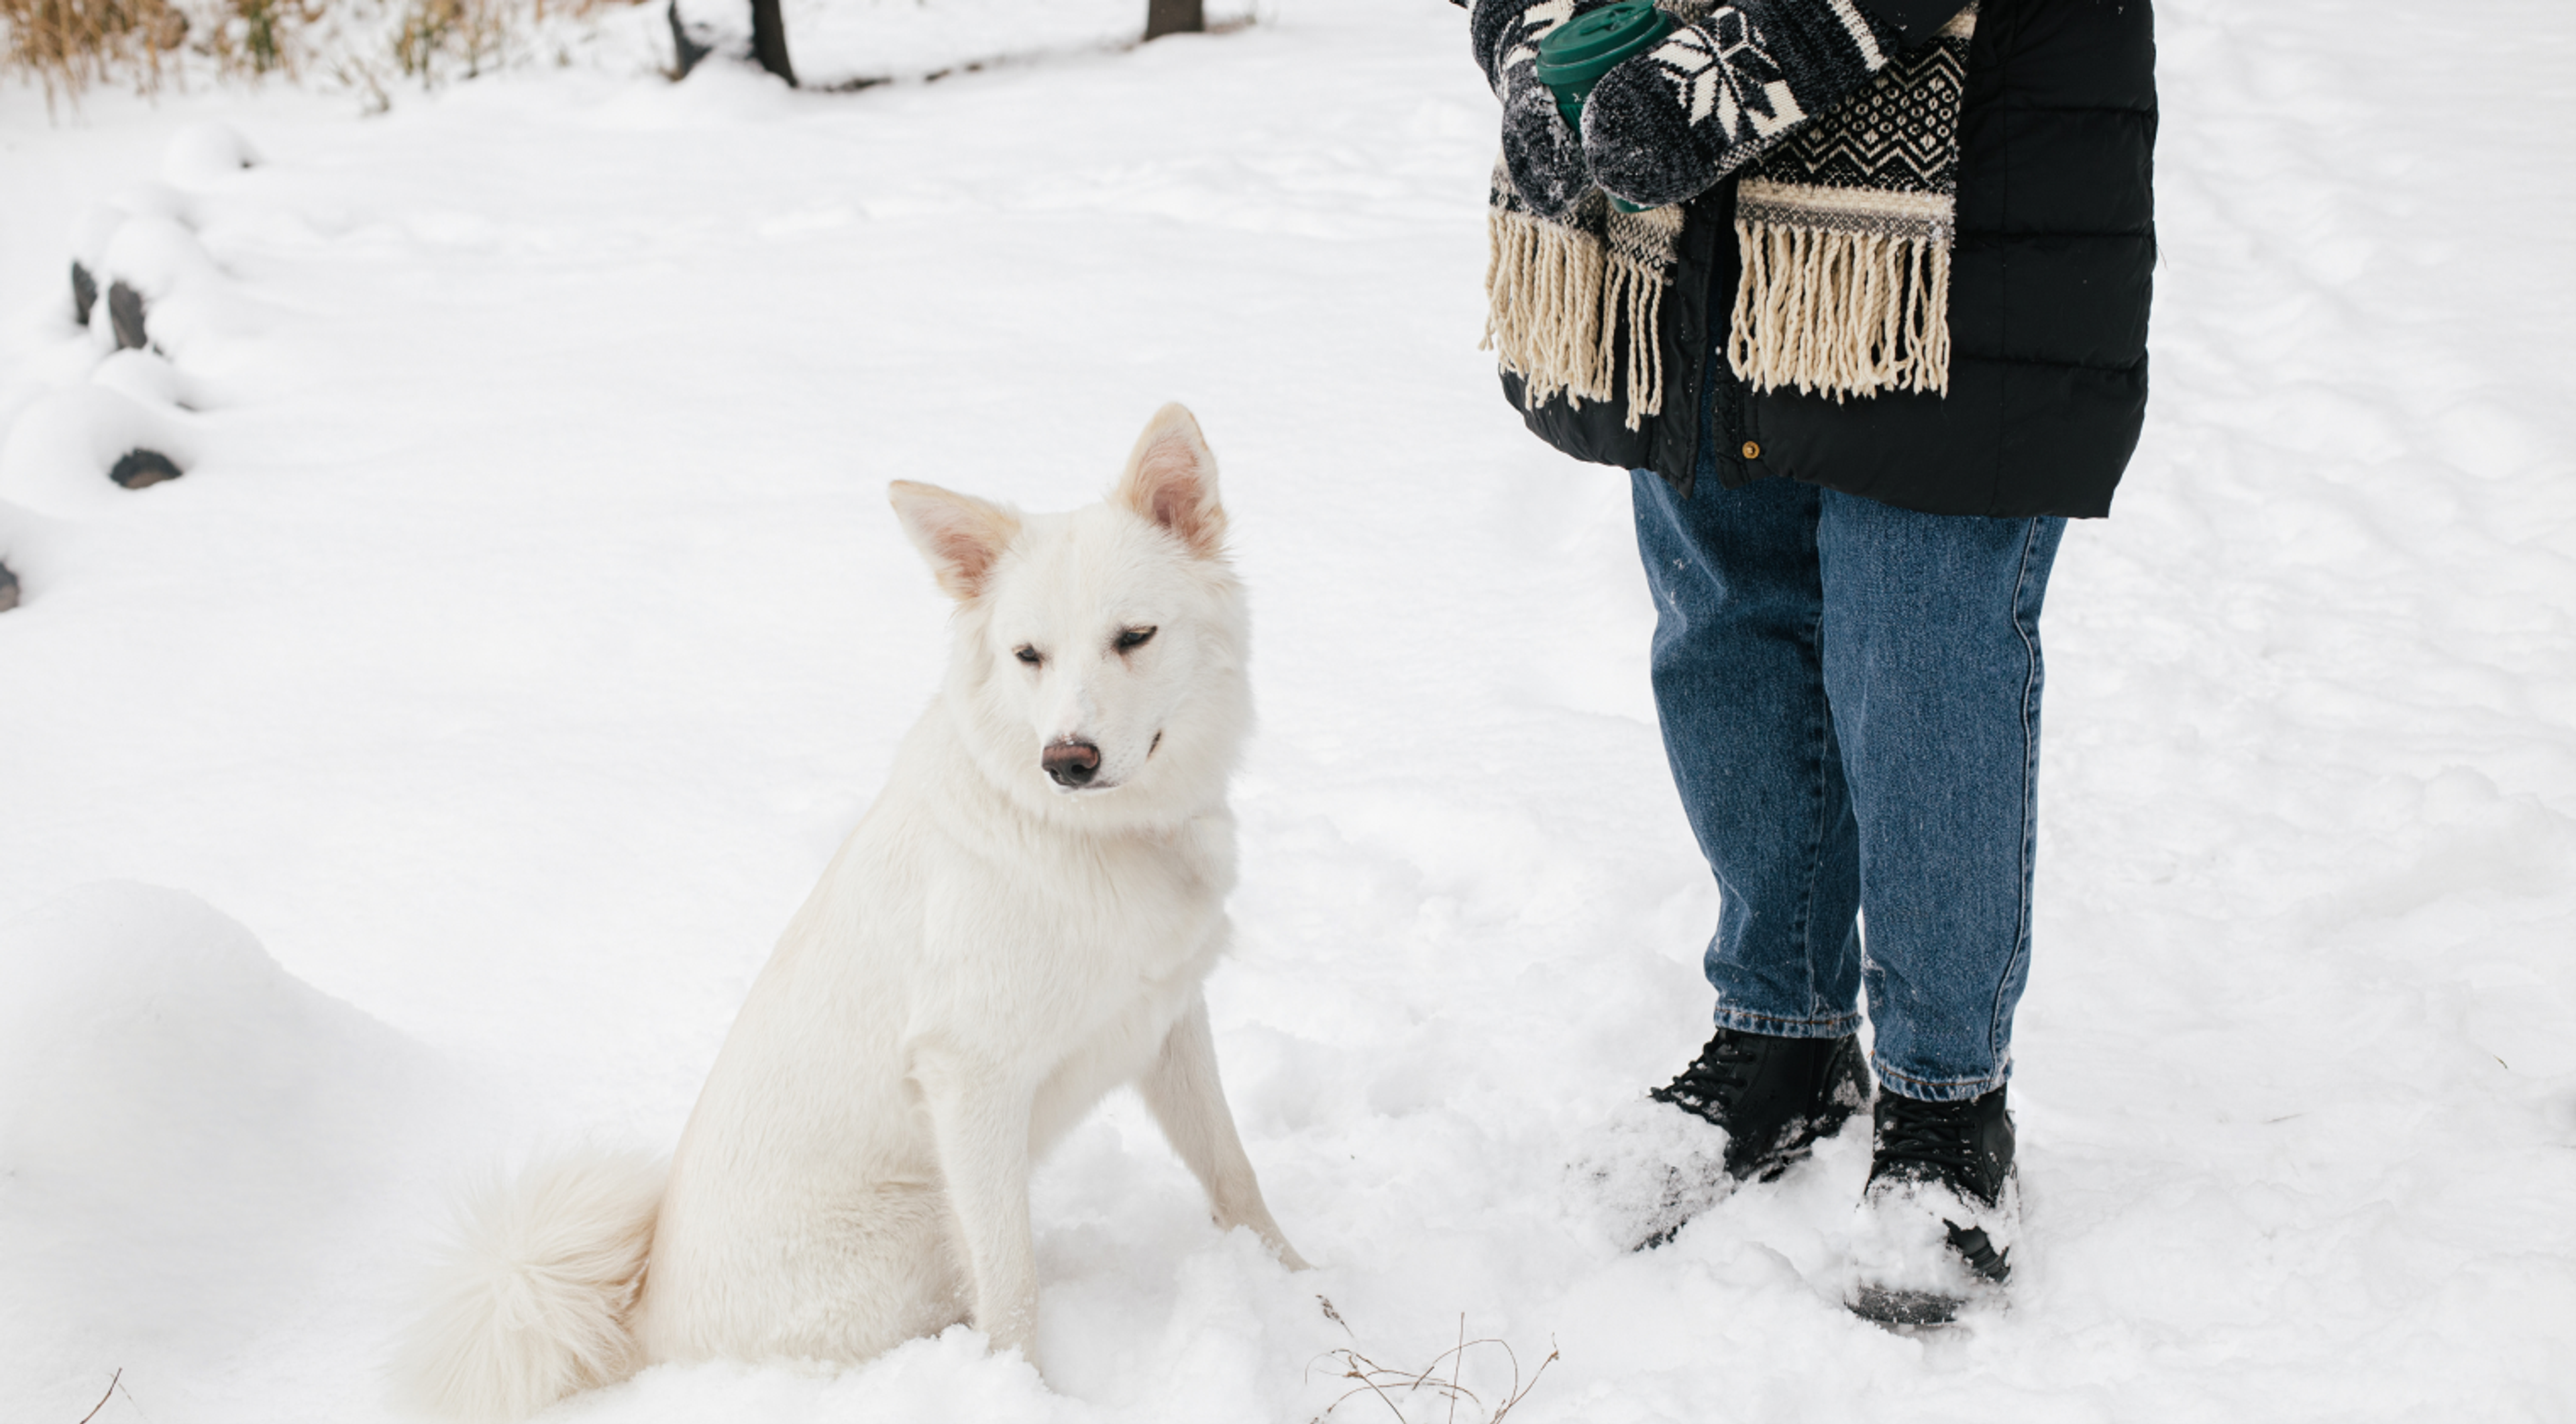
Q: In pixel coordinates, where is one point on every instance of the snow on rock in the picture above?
(57, 457)
(161, 260)
(22, 545)
(143, 240)
(145, 377)
(96, 229)
(208, 151)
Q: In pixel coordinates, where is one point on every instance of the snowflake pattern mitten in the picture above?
(1543, 155)
(1666, 125)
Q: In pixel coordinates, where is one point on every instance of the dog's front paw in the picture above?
(1287, 1254)
(1007, 1331)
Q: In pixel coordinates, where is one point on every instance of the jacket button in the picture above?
(1752, 449)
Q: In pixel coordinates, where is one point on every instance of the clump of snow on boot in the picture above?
(1908, 1261)
(1654, 1168)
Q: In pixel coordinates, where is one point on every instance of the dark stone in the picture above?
(137, 469)
(8, 589)
(125, 313)
(84, 292)
(769, 40)
(686, 50)
(1174, 17)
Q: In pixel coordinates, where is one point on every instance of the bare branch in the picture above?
(104, 1398)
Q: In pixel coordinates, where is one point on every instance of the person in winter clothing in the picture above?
(1867, 325)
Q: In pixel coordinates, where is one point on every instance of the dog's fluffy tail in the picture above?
(531, 1300)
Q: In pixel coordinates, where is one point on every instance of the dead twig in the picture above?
(1391, 1386)
(104, 1398)
(1457, 1365)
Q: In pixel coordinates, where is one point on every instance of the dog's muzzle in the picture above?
(1071, 764)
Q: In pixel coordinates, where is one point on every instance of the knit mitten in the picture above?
(1666, 125)
(1543, 155)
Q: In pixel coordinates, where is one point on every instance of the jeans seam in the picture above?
(1816, 827)
(2020, 956)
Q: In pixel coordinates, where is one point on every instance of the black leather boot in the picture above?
(1776, 1097)
(1771, 1100)
(1940, 1212)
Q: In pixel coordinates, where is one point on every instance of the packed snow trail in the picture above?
(529, 626)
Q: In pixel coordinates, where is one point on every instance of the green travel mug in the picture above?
(1573, 56)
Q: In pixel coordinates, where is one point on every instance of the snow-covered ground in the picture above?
(423, 775)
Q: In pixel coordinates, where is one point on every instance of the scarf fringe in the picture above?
(1555, 297)
(1850, 313)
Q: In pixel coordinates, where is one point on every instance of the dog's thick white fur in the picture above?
(1018, 925)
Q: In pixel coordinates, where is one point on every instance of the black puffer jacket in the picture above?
(2049, 290)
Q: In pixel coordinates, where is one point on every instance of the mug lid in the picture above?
(1598, 41)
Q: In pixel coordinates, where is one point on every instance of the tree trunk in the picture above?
(1174, 17)
(769, 40)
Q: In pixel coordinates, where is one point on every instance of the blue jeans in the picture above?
(1850, 700)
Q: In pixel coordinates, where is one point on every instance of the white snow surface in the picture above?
(529, 626)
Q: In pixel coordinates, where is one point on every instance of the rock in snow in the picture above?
(141, 469)
(125, 314)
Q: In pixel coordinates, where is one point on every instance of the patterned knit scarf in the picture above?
(1845, 231)
(1560, 293)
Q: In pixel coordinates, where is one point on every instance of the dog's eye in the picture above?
(1028, 655)
(1134, 638)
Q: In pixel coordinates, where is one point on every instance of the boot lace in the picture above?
(1721, 1073)
(1920, 1135)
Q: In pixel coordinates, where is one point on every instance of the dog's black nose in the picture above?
(1071, 763)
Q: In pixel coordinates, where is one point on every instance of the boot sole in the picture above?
(1900, 1309)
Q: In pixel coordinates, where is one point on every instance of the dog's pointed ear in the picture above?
(961, 537)
(1171, 481)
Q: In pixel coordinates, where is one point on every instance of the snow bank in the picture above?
(191, 1143)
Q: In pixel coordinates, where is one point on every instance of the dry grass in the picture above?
(70, 45)
(435, 33)
(260, 37)
(1406, 1392)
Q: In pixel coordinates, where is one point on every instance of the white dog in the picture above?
(1018, 925)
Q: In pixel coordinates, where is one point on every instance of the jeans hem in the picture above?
(1772, 1025)
(1942, 1090)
